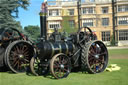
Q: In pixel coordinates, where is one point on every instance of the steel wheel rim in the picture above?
(35, 66)
(19, 57)
(97, 57)
(61, 66)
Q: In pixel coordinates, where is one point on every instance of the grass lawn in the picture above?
(105, 78)
(118, 53)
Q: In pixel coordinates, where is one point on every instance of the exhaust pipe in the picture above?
(43, 24)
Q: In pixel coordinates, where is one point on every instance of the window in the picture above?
(54, 12)
(88, 10)
(104, 10)
(123, 20)
(72, 23)
(105, 21)
(84, 10)
(106, 36)
(123, 35)
(122, 8)
(71, 11)
(88, 22)
(52, 25)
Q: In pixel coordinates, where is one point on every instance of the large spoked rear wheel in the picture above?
(18, 55)
(94, 57)
(60, 66)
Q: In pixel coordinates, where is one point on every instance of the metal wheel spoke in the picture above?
(65, 69)
(17, 49)
(60, 73)
(25, 49)
(24, 65)
(20, 48)
(55, 63)
(64, 62)
(95, 67)
(66, 66)
(90, 58)
(90, 54)
(56, 66)
(60, 61)
(56, 70)
(92, 50)
(100, 61)
(14, 53)
(26, 52)
(26, 60)
(104, 53)
(16, 63)
(96, 49)
(63, 72)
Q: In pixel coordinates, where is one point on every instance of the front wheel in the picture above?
(60, 66)
(34, 66)
(37, 67)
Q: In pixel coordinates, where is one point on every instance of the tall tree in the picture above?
(9, 11)
(32, 31)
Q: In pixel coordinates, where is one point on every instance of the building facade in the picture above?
(96, 14)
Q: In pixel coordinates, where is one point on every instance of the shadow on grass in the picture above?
(48, 75)
(3, 69)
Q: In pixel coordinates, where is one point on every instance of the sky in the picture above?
(30, 16)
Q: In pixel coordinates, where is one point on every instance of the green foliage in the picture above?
(112, 41)
(66, 27)
(33, 32)
(8, 12)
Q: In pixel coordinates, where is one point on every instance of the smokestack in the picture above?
(43, 15)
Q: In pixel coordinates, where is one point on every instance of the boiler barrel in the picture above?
(49, 49)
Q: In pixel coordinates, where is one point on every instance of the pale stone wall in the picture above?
(97, 16)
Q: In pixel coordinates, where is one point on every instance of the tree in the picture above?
(9, 11)
(33, 32)
(66, 27)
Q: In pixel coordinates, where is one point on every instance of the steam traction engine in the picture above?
(62, 54)
(59, 54)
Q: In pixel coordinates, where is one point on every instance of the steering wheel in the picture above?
(84, 34)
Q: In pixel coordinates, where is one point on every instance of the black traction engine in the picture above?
(59, 54)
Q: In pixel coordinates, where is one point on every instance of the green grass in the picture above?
(106, 78)
(118, 52)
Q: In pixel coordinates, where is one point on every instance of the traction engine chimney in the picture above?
(43, 24)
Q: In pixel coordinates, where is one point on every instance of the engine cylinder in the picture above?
(49, 49)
